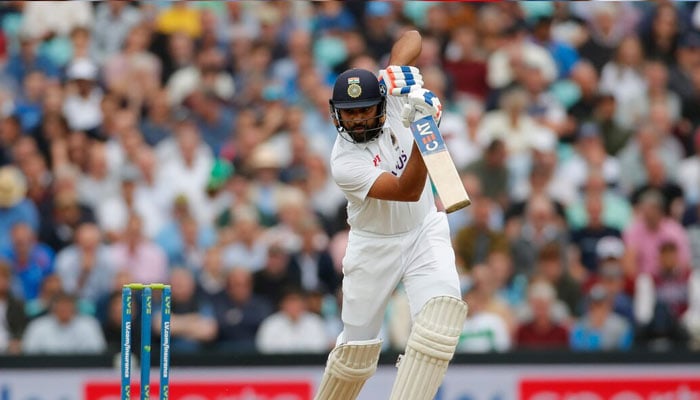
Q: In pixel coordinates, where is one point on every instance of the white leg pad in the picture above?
(430, 348)
(348, 368)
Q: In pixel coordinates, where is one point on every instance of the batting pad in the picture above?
(349, 366)
(430, 348)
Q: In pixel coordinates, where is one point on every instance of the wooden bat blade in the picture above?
(441, 168)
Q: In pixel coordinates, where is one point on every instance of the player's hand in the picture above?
(400, 80)
(421, 103)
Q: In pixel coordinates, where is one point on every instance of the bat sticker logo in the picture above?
(428, 136)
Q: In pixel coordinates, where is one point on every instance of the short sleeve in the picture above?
(355, 173)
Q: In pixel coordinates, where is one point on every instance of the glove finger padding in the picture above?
(401, 80)
(421, 103)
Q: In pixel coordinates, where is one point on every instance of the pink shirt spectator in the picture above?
(645, 243)
(147, 264)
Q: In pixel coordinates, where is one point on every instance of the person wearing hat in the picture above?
(396, 233)
(14, 206)
(82, 107)
(600, 328)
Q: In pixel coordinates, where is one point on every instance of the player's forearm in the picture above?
(412, 181)
(407, 49)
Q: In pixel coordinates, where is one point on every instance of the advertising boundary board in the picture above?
(463, 382)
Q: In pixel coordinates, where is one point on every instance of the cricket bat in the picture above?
(438, 161)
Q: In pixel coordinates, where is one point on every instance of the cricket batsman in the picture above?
(396, 232)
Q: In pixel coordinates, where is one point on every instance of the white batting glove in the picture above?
(400, 79)
(420, 103)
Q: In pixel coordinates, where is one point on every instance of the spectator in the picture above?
(649, 229)
(622, 77)
(31, 261)
(81, 106)
(185, 242)
(646, 142)
(56, 18)
(133, 65)
(51, 287)
(63, 331)
(659, 180)
(143, 259)
(600, 328)
(193, 325)
(113, 21)
(466, 65)
(85, 267)
(293, 329)
(599, 205)
(492, 171)
(61, 221)
(611, 277)
(247, 250)
(15, 208)
(511, 123)
(542, 332)
(475, 242)
(689, 172)
(657, 91)
(552, 270)
(185, 163)
(661, 40)
(681, 72)
(12, 317)
(208, 75)
(590, 155)
(585, 240)
(239, 312)
(312, 265)
(483, 331)
(97, 184)
(211, 279)
(605, 32)
(538, 228)
(29, 59)
(585, 77)
(156, 124)
(268, 281)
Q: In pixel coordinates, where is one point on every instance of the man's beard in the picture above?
(364, 131)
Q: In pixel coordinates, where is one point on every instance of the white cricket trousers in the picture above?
(423, 259)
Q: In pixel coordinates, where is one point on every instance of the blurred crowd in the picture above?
(188, 143)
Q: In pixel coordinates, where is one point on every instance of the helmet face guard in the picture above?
(353, 89)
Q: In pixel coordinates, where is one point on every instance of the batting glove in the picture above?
(401, 80)
(420, 103)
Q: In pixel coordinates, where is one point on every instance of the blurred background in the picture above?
(188, 142)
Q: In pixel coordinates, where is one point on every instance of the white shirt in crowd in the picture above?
(83, 113)
(177, 178)
(46, 335)
(484, 332)
(688, 176)
(356, 166)
(4, 329)
(279, 334)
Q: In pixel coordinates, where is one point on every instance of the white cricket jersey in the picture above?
(355, 167)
